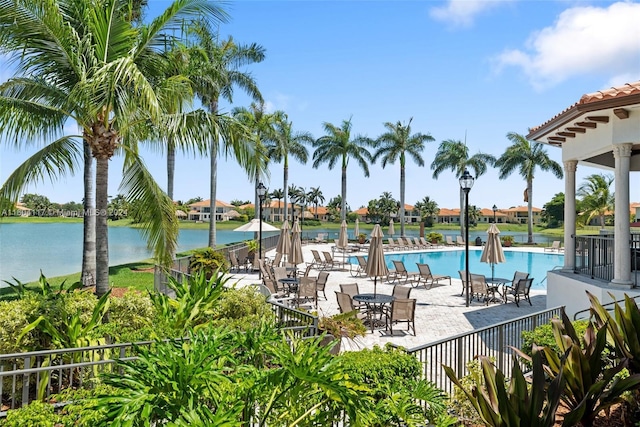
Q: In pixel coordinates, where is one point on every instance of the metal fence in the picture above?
(595, 256)
(492, 341)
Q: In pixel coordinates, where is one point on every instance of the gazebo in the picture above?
(601, 130)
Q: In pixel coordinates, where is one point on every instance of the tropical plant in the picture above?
(597, 198)
(507, 240)
(208, 261)
(215, 73)
(526, 156)
(520, 404)
(553, 210)
(287, 143)
(428, 209)
(343, 325)
(101, 71)
(277, 194)
(395, 144)
(435, 237)
(339, 146)
(316, 197)
(387, 206)
(454, 155)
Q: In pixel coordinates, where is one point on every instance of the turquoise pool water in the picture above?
(450, 262)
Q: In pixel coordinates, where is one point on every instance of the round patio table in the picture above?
(498, 281)
(291, 283)
(375, 304)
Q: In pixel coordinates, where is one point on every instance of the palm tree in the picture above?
(218, 72)
(316, 197)
(260, 126)
(526, 156)
(387, 206)
(285, 143)
(428, 210)
(454, 155)
(396, 144)
(596, 198)
(104, 72)
(277, 194)
(336, 146)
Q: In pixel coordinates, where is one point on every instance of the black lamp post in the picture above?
(495, 208)
(466, 182)
(262, 191)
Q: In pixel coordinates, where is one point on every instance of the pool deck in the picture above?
(440, 311)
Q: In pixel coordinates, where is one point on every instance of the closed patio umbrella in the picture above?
(492, 252)
(295, 253)
(376, 265)
(356, 229)
(343, 240)
(391, 230)
(284, 241)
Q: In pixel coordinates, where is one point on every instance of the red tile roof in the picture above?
(205, 203)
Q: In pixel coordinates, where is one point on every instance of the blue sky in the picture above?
(474, 69)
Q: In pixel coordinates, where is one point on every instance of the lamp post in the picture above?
(495, 208)
(466, 182)
(262, 191)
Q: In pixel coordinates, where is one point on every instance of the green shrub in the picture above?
(460, 404)
(82, 302)
(240, 308)
(542, 336)
(207, 261)
(434, 237)
(36, 413)
(14, 317)
(132, 318)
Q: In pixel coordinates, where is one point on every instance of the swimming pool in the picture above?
(450, 262)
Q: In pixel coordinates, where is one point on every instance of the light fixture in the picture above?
(466, 182)
(495, 208)
(262, 192)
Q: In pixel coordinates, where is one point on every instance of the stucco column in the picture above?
(570, 167)
(622, 260)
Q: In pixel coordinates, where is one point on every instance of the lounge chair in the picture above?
(400, 272)
(235, 264)
(329, 261)
(401, 311)
(392, 245)
(555, 247)
(459, 241)
(318, 262)
(360, 269)
(429, 278)
(449, 241)
(408, 243)
(418, 244)
(480, 289)
(521, 290)
(321, 238)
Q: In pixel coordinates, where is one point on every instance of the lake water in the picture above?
(56, 248)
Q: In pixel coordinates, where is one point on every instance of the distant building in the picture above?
(201, 211)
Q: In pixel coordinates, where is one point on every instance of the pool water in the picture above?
(450, 262)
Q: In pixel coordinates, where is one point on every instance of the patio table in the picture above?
(498, 281)
(375, 303)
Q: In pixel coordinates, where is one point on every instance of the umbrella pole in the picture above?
(493, 267)
(375, 284)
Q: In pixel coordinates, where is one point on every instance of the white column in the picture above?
(622, 260)
(570, 167)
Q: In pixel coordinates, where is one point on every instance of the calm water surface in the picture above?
(56, 248)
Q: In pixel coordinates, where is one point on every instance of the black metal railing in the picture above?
(595, 256)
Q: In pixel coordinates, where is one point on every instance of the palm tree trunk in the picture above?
(285, 181)
(171, 166)
(530, 210)
(102, 230)
(402, 188)
(213, 192)
(89, 221)
(343, 204)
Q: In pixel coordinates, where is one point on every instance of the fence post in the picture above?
(501, 348)
(25, 382)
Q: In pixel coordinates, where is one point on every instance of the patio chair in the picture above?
(360, 269)
(555, 247)
(233, 261)
(517, 276)
(317, 262)
(429, 278)
(345, 304)
(449, 241)
(459, 241)
(418, 244)
(321, 283)
(392, 245)
(409, 243)
(401, 292)
(401, 272)
(329, 261)
(352, 290)
(521, 290)
(321, 238)
(280, 273)
(401, 311)
(426, 244)
(480, 289)
(463, 277)
(307, 293)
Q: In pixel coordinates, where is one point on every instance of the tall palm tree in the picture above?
(316, 197)
(387, 206)
(219, 70)
(596, 198)
(287, 142)
(87, 61)
(454, 155)
(428, 210)
(396, 143)
(337, 145)
(260, 127)
(526, 156)
(278, 194)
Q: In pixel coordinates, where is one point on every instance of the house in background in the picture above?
(201, 211)
(322, 214)
(600, 131)
(520, 214)
(449, 216)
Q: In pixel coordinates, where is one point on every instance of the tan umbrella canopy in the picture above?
(343, 240)
(376, 265)
(284, 241)
(492, 252)
(254, 225)
(295, 253)
(391, 230)
(356, 228)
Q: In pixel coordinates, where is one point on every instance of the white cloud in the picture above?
(583, 40)
(462, 12)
